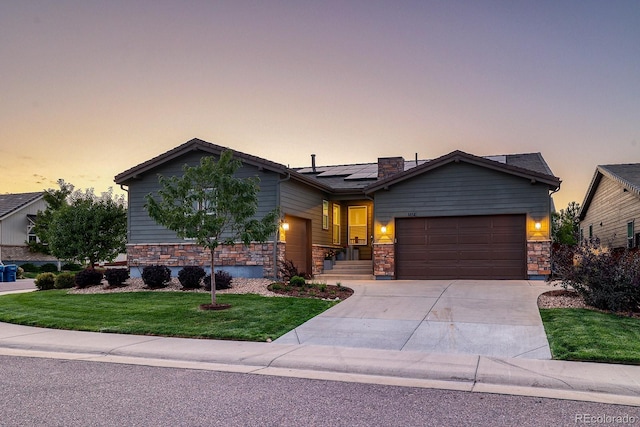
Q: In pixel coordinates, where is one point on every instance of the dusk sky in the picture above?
(92, 88)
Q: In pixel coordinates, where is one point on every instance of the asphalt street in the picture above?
(49, 392)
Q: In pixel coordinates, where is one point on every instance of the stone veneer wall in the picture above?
(539, 257)
(183, 254)
(318, 253)
(384, 260)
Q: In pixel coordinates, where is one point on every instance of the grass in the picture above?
(587, 335)
(250, 318)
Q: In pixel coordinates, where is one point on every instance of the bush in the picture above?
(606, 280)
(65, 281)
(116, 276)
(88, 277)
(49, 268)
(297, 281)
(70, 266)
(30, 268)
(191, 276)
(156, 276)
(45, 281)
(223, 280)
(288, 270)
(20, 273)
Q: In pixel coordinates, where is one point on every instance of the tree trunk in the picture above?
(213, 280)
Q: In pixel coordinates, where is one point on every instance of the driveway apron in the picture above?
(497, 318)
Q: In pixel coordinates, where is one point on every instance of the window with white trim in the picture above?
(357, 225)
(336, 224)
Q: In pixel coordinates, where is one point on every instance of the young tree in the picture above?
(209, 204)
(89, 228)
(565, 225)
(55, 199)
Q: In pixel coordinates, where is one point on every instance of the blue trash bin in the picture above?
(10, 273)
(1, 273)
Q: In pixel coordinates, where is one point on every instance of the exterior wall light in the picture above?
(538, 225)
(383, 229)
(285, 226)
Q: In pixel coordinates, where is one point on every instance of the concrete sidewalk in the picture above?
(617, 384)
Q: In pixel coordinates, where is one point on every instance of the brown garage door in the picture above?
(468, 247)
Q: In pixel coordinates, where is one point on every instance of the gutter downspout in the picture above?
(277, 234)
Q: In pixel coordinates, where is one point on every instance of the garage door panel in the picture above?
(489, 247)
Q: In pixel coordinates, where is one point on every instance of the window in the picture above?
(590, 232)
(31, 225)
(581, 235)
(336, 224)
(325, 215)
(357, 225)
(630, 235)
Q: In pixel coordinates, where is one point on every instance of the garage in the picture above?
(461, 247)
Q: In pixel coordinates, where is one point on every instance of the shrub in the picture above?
(191, 276)
(116, 276)
(156, 276)
(30, 268)
(45, 281)
(49, 268)
(605, 279)
(65, 280)
(70, 266)
(223, 280)
(20, 273)
(288, 270)
(297, 281)
(88, 277)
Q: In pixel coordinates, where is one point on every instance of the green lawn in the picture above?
(587, 335)
(251, 317)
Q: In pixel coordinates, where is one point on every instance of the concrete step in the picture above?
(348, 270)
(342, 277)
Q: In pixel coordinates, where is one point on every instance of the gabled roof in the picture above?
(195, 145)
(627, 175)
(529, 166)
(10, 203)
(209, 148)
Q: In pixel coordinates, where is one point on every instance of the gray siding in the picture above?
(306, 202)
(13, 229)
(612, 207)
(462, 189)
(143, 229)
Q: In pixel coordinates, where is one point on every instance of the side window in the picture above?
(325, 215)
(336, 224)
(630, 235)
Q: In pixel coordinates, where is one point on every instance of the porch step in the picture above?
(348, 270)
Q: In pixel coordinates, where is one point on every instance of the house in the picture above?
(17, 221)
(611, 206)
(457, 216)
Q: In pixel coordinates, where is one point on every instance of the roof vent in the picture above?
(313, 163)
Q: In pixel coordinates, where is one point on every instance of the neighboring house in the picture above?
(611, 207)
(17, 220)
(457, 216)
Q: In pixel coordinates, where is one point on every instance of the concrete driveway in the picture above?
(479, 317)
